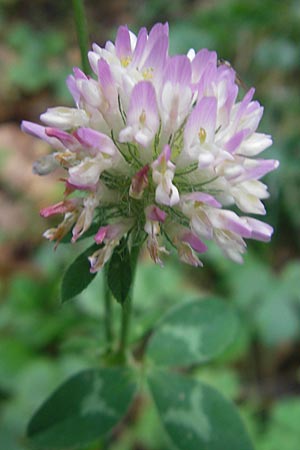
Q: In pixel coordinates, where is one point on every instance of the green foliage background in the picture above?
(43, 341)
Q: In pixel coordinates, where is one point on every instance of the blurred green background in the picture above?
(41, 341)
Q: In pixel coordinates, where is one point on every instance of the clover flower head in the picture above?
(158, 147)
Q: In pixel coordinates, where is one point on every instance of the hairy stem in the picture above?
(82, 34)
(108, 315)
(125, 325)
(127, 309)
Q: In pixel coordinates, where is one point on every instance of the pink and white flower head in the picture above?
(158, 146)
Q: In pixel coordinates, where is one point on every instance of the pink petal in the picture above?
(203, 116)
(140, 46)
(158, 33)
(72, 86)
(139, 182)
(39, 131)
(113, 232)
(202, 197)
(201, 61)
(95, 140)
(234, 142)
(157, 56)
(228, 220)
(71, 187)
(151, 52)
(256, 169)
(178, 70)
(143, 98)
(122, 43)
(157, 30)
(260, 231)
(165, 154)
(78, 74)
(142, 115)
(101, 234)
(59, 208)
(194, 242)
(209, 75)
(155, 214)
(67, 139)
(107, 81)
(244, 104)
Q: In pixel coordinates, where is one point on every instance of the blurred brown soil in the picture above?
(22, 194)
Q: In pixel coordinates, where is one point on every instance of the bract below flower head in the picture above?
(159, 146)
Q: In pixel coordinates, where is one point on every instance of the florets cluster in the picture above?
(157, 149)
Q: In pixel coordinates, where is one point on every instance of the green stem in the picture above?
(108, 315)
(82, 34)
(125, 325)
(126, 310)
